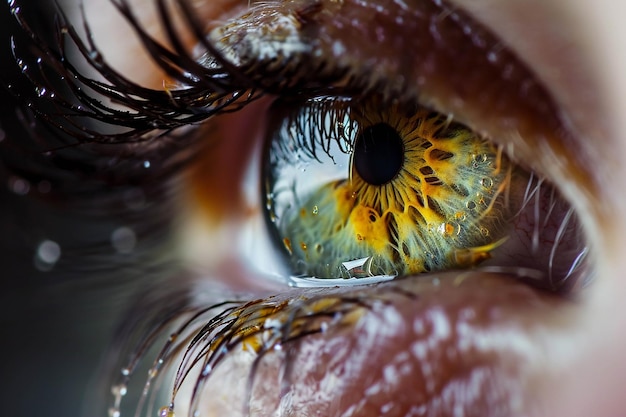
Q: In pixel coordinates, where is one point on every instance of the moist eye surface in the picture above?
(359, 188)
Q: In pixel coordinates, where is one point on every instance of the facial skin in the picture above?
(558, 358)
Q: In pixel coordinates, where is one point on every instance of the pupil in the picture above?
(378, 154)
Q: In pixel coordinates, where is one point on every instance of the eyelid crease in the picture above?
(455, 66)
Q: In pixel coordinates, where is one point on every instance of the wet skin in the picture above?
(482, 343)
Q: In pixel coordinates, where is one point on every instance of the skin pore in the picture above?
(539, 355)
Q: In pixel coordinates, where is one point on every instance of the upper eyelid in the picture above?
(450, 68)
(433, 54)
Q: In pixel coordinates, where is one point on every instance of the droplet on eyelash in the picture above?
(124, 240)
(114, 412)
(119, 390)
(146, 164)
(47, 255)
(19, 185)
(41, 91)
(166, 411)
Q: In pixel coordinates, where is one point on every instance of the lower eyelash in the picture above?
(207, 335)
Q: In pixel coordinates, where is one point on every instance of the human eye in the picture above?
(425, 339)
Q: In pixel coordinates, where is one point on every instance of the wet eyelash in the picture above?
(206, 336)
(206, 91)
(207, 87)
(321, 122)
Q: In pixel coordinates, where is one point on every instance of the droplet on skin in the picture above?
(47, 255)
(19, 185)
(124, 240)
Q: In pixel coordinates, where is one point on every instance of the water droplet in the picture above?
(119, 390)
(124, 240)
(19, 185)
(41, 91)
(125, 371)
(481, 158)
(449, 229)
(166, 411)
(470, 205)
(487, 182)
(47, 255)
(207, 370)
(316, 210)
(146, 164)
(114, 412)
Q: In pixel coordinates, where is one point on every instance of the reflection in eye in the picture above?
(358, 189)
(405, 191)
(444, 198)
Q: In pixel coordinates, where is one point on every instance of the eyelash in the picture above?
(148, 114)
(209, 91)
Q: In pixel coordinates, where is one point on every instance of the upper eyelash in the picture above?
(206, 92)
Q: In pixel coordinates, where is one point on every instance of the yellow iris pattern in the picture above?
(445, 208)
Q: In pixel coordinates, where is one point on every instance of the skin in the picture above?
(574, 365)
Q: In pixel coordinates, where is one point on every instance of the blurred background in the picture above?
(73, 253)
